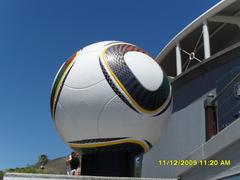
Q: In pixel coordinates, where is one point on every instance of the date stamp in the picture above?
(192, 162)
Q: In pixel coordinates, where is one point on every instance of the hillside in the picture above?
(54, 166)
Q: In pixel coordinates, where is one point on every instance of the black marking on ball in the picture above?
(114, 88)
(147, 100)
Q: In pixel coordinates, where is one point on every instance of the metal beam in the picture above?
(206, 41)
(226, 19)
(178, 59)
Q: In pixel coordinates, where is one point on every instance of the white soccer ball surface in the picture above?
(111, 96)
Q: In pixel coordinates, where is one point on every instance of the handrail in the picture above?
(225, 88)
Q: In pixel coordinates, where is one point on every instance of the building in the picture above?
(204, 63)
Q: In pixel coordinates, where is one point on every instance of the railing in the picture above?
(224, 108)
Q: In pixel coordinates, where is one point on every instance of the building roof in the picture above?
(223, 22)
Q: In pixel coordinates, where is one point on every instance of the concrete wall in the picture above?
(21, 176)
(186, 131)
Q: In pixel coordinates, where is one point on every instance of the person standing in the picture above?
(73, 164)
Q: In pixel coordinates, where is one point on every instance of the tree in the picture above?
(43, 159)
(1, 175)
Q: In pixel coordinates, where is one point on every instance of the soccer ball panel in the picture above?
(145, 69)
(84, 107)
(96, 46)
(85, 72)
(120, 77)
(129, 123)
(64, 124)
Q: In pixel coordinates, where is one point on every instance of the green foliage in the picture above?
(43, 159)
(30, 169)
(1, 175)
(56, 166)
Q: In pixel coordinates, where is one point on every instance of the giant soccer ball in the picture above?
(111, 96)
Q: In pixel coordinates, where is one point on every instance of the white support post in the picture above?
(206, 40)
(178, 59)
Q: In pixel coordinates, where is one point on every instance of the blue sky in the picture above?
(36, 37)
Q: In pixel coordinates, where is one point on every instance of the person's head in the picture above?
(73, 154)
